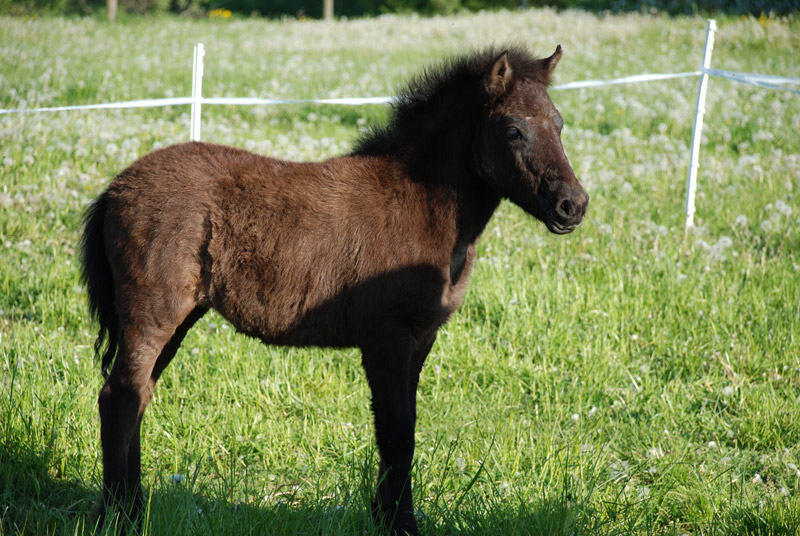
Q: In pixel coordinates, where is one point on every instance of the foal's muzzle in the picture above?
(569, 212)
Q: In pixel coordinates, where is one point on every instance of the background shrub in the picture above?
(357, 8)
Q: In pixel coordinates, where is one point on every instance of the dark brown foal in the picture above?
(371, 250)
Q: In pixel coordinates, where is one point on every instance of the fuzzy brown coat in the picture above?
(370, 250)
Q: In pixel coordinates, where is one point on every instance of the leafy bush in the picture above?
(351, 8)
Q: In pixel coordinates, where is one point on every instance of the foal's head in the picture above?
(518, 143)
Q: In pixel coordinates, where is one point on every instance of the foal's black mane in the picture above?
(452, 89)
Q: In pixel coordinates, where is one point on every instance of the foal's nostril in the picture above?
(565, 208)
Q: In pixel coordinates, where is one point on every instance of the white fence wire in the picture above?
(780, 83)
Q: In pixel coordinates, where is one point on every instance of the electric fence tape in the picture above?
(761, 80)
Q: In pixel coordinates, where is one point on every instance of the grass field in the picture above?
(623, 379)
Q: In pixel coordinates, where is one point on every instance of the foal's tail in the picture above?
(99, 281)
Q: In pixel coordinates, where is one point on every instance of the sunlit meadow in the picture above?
(624, 379)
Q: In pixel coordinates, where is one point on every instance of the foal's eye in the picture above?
(513, 133)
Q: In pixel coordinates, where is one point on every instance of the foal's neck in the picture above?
(434, 143)
(445, 158)
(442, 158)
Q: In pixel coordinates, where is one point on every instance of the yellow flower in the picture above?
(219, 13)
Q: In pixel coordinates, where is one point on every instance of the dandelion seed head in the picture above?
(763, 135)
(783, 208)
(460, 464)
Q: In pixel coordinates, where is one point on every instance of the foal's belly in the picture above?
(325, 327)
(317, 305)
(286, 305)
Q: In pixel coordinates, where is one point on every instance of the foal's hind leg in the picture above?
(145, 348)
(169, 351)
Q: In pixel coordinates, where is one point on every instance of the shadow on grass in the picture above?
(33, 499)
(36, 501)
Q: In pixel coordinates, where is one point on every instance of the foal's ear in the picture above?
(551, 62)
(498, 79)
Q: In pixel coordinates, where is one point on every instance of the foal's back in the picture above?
(286, 251)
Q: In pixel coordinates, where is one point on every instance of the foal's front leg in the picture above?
(392, 360)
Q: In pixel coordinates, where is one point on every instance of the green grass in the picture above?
(624, 379)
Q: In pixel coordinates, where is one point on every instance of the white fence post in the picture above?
(697, 129)
(197, 90)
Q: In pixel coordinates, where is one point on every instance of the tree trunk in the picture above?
(111, 9)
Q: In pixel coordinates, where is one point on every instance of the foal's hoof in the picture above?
(128, 519)
(401, 523)
(405, 529)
